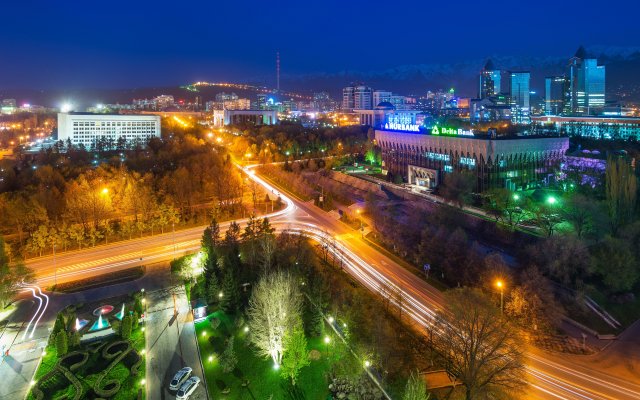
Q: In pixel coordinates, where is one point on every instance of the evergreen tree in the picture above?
(228, 359)
(232, 236)
(58, 326)
(137, 306)
(125, 327)
(229, 300)
(212, 289)
(62, 343)
(415, 389)
(135, 320)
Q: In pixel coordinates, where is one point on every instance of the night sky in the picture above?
(117, 44)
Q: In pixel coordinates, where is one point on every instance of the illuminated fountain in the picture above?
(80, 323)
(99, 324)
(120, 315)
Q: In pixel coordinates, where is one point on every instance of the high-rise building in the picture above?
(347, 98)
(357, 98)
(555, 92)
(520, 96)
(381, 96)
(586, 84)
(363, 98)
(490, 79)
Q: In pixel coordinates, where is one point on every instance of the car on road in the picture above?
(179, 378)
(187, 388)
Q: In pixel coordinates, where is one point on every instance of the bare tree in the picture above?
(274, 310)
(479, 347)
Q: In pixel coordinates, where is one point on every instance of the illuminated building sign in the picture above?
(401, 122)
(468, 161)
(442, 130)
(438, 156)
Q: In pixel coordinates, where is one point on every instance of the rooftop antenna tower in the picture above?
(278, 71)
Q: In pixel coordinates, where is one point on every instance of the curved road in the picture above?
(550, 376)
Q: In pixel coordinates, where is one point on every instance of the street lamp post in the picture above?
(500, 286)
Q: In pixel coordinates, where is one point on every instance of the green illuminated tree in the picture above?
(62, 343)
(228, 359)
(296, 355)
(415, 388)
(125, 327)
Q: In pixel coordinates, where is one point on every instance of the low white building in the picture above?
(252, 117)
(88, 129)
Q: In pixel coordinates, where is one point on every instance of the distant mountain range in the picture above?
(623, 80)
(623, 70)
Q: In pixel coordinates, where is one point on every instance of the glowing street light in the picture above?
(516, 196)
(551, 200)
(367, 364)
(331, 320)
(105, 191)
(500, 286)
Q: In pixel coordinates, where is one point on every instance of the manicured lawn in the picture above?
(264, 380)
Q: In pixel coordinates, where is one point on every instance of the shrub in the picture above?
(125, 327)
(228, 359)
(62, 345)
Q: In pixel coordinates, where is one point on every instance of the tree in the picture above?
(614, 260)
(457, 187)
(479, 347)
(232, 236)
(295, 355)
(415, 388)
(274, 310)
(228, 359)
(62, 343)
(12, 275)
(229, 301)
(125, 327)
(579, 211)
(547, 218)
(212, 289)
(505, 206)
(621, 192)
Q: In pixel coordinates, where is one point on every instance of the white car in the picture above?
(187, 388)
(179, 378)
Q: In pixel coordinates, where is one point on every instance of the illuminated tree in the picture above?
(11, 276)
(415, 388)
(274, 310)
(296, 355)
(478, 346)
(228, 358)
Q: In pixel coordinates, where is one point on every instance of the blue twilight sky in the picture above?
(134, 43)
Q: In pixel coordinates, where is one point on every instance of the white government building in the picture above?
(87, 128)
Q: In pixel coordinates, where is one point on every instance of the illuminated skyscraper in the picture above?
(586, 84)
(357, 98)
(555, 93)
(490, 79)
(520, 96)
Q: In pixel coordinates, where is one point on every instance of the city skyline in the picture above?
(162, 46)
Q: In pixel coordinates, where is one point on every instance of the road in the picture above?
(550, 376)
(171, 342)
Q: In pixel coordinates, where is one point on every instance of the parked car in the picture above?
(187, 388)
(179, 378)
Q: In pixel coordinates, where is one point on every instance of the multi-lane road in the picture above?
(551, 376)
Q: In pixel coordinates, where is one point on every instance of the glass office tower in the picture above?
(520, 96)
